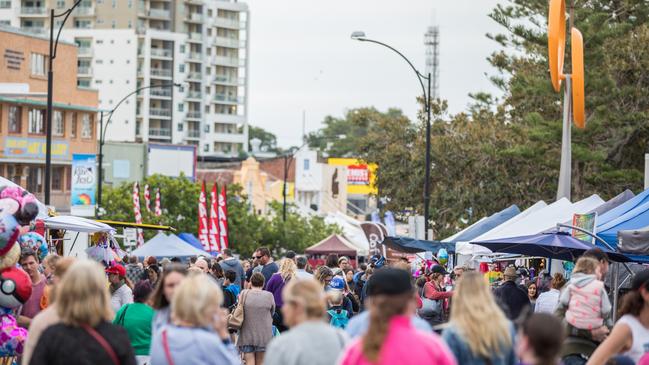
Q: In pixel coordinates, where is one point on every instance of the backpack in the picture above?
(339, 318)
(229, 300)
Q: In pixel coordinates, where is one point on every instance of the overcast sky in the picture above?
(302, 57)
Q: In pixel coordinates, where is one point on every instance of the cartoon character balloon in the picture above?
(35, 242)
(15, 290)
(442, 256)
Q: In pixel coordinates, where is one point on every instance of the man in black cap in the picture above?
(386, 281)
(511, 298)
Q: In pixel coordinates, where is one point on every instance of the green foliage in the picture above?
(268, 139)
(179, 201)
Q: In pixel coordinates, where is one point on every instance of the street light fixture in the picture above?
(102, 135)
(360, 36)
(50, 81)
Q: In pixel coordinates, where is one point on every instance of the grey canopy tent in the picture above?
(162, 245)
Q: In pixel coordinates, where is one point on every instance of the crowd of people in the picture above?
(229, 311)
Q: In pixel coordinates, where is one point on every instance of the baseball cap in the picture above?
(337, 283)
(438, 269)
(117, 269)
(389, 281)
(290, 255)
(640, 279)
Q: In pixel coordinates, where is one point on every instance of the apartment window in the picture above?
(15, 125)
(206, 148)
(60, 4)
(98, 82)
(58, 128)
(209, 13)
(38, 64)
(114, 4)
(35, 179)
(6, 4)
(181, 68)
(36, 121)
(207, 109)
(130, 24)
(113, 25)
(130, 5)
(58, 173)
(182, 48)
(181, 107)
(86, 126)
(306, 165)
(180, 127)
(5, 22)
(83, 83)
(82, 24)
(73, 127)
(99, 62)
(209, 32)
(207, 128)
(100, 41)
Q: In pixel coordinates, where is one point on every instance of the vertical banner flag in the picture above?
(84, 181)
(587, 222)
(158, 209)
(223, 219)
(214, 218)
(138, 214)
(147, 198)
(202, 220)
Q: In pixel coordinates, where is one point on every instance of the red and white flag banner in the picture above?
(214, 219)
(223, 219)
(202, 220)
(158, 208)
(147, 198)
(138, 213)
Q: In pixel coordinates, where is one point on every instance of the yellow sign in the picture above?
(361, 177)
(34, 148)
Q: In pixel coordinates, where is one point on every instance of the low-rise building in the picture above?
(23, 103)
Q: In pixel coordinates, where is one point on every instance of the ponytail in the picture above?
(383, 308)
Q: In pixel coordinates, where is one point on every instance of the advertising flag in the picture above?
(587, 222)
(158, 209)
(138, 213)
(202, 221)
(223, 219)
(214, 218)
(147, 198)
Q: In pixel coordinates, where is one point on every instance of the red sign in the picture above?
(202, 220)
(214, 219)
(358, 175)
(223, 219)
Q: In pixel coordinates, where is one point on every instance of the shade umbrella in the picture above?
(555, 245)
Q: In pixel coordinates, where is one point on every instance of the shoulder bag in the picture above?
(104, 344)
(165, 345)
(430, 309)
(235, 319)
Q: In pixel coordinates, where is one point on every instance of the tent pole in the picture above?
(73, 243)
(616, 289)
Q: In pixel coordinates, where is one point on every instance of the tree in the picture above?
(268, 139)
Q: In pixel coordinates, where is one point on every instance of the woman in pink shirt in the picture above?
(391, 339)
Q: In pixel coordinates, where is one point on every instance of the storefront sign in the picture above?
(13, 59)
(84, 180)
(35, 148)
(358, 175)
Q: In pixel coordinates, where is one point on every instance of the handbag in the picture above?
(104, 344)
(235, 319)
(430, 309)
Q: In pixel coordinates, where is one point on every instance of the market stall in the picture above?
(163, 245)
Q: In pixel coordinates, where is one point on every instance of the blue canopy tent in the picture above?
(624, 208)
(488, 224)
(633, 219)
(555, 245)
(191, 239)
(412, 245)
(161, 246)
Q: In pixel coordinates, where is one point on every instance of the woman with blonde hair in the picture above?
(85, 335)
(198, 333)
(478, 331)
(324, 275)
(275, 285)
(310, 339)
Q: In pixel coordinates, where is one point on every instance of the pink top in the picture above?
(403, 345)
(585, 306)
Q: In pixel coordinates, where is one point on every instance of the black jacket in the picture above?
(512, 299)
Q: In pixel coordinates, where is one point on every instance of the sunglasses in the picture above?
(257, 257)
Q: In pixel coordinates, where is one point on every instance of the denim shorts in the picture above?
(247, 349)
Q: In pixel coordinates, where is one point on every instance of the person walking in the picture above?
(120, 287)
(324, 275)
(198, 334)
(85, 335)
(276, 284)
(547, 302)
(29, 262)
(231, 263)
(391, 338)
(172, 275)
(301, 272)
(267, 266)
(47, 316)
(309, 340)
(630, 335)
(136, 318)
(257, 327)
(134, 272)
(332, 263)
(478, 332)
(539, 340)
(511, 297)
(434, 290)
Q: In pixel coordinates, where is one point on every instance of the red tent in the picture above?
(333, 244)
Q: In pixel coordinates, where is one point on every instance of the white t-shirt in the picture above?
(547, 302)
(121, 296)
(640, 336)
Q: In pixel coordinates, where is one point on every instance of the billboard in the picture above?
(84, 184)
(35, 148)
(172, 160)
(360, 176)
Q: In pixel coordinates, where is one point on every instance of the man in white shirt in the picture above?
(301, 273)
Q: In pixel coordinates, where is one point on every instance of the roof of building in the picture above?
(44, 103)
(32, 34)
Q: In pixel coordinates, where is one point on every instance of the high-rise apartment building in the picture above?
(202, 45)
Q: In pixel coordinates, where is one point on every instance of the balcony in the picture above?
(159, 13)
(229, 80)
(84, 52)
(84, 11)
(193, 133)
(229, 23)
(85, 71)
(195, 37)
(160, 92)
(196, 17)
(159, 112)
(160, 72)
(193, 114)
(161, 52)
(228, 98)
(160, 132)
(229, 42)
(192, 94)
(229, 61)
(195, 76)
(195, 56)
(33, 10)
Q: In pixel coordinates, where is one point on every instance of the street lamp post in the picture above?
(360, 36)
(102, 137)
(50, 86)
